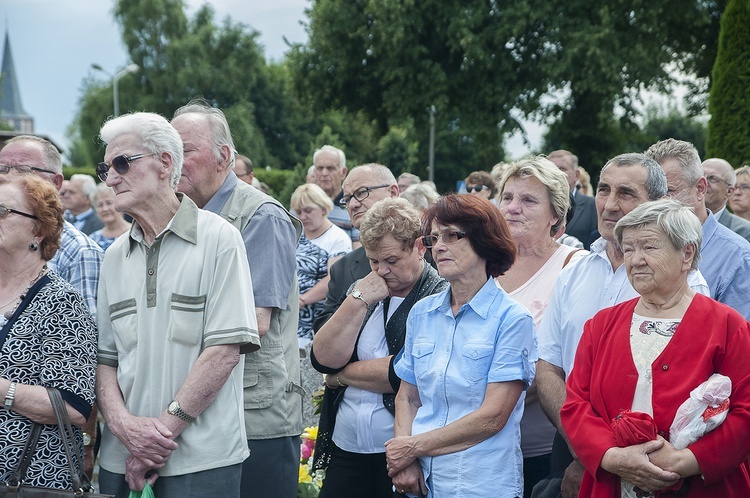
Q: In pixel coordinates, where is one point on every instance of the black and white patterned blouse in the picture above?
(50, 341)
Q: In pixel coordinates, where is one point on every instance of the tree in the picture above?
(729, 103)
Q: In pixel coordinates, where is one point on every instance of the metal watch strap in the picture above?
(10, 396)
(180, 413)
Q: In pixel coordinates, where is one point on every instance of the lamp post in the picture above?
(132, 68)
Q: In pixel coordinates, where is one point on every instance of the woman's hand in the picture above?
(683, 462)
(411, 480)
(373, 288)
(400, 452)
(632, 464)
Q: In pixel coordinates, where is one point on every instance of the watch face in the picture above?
(173, 406)
(86, 439)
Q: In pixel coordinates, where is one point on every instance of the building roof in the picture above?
(10, 96)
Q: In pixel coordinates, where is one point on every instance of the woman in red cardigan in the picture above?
(646, 355)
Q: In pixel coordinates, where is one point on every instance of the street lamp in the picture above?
(132, 68)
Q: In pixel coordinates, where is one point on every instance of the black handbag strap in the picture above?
(81, 483)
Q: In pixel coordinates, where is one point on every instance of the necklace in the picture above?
(8, 314)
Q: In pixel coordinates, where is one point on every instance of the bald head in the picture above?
(721, 179)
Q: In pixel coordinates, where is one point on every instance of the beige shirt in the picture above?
(159, 308)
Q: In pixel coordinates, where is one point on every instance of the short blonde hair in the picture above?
(309, 194)
(393, 216)
(548, 175)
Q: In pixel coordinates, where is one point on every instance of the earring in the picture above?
(34, 246)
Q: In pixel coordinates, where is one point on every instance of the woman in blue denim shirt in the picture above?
(468, 359)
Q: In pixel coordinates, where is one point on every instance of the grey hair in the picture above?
(656, 180)
(421, 196)
(683, 152)
(52, 158)
(550, 176)
(154, 133)
(330, 148)
(679, 223)
(572, 158)
(217, 122)
(88, 185)
(392, 216)
(409, 177)
(102, 188)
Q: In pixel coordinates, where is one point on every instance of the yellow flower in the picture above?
(311, 433)
(304, 474)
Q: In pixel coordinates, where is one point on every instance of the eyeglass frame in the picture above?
(8, 211)
(20, 168)
(344, 201)
(429, 241)
(715, 179)
(102, 169)
(744, 188)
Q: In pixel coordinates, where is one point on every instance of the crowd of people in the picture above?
(519, 338)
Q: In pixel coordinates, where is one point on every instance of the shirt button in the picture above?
(665, 367)
(151, 271)
(474, 354)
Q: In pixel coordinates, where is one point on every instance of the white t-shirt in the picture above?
(334, 241)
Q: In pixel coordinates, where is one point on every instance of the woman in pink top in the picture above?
(533, 197)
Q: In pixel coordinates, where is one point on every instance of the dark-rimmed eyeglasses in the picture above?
(360, 194)
(23, 168)
(476, 188)
(715, 180)
(121, 164)
(447, 237)
(5, 211)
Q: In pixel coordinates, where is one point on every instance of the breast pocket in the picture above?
(123, 316)
(475, 361)
(422, 352)
(186, 319)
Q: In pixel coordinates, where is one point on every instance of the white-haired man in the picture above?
(171, 335)
(329, 165)
(77, 196)
(720, 183)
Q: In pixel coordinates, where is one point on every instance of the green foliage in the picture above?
(729, 104)
(398, 150)
(276, 179)
(69, 171)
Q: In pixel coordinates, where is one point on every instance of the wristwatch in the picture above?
(87, 439)
(356, 294)
(10, 396)
(174, 409)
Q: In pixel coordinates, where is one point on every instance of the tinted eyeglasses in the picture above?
(5, 211)
(22, 168)
(476, 188)
(447, 237)
(121, 164)
(360, 194)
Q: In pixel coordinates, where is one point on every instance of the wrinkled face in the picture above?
(740, 200)
(399, 267)
(105, 206)
(199, 164)
(312, 217)
(357, 180)
(142, 182)
(620, 190)
(328, 172)
(240, 169)
(566, 166)
(454, 259)
(679, 189)
(28, 153)
(654, 266)
(72, 197)
(16, 231)
(525, 204)
(718, 190)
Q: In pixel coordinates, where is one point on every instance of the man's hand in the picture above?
(147, 439)
(572, 478)
(411, 480)
(135, 473)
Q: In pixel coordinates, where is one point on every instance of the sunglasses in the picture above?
(447, 237)
(476, 188)
(121, 164)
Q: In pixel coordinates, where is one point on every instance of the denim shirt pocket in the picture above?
(422, 353)
(186, 319)
(124, 318)
(476, 359)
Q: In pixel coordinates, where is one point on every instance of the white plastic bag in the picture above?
(702, 412)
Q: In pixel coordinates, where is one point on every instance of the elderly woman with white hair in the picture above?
(533, 198)
(645, 356)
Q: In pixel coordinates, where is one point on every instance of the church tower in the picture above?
(11, 109)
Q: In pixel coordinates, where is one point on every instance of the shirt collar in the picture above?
(718, 213)
(481, 302)
(183, 224)
(217, 201)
